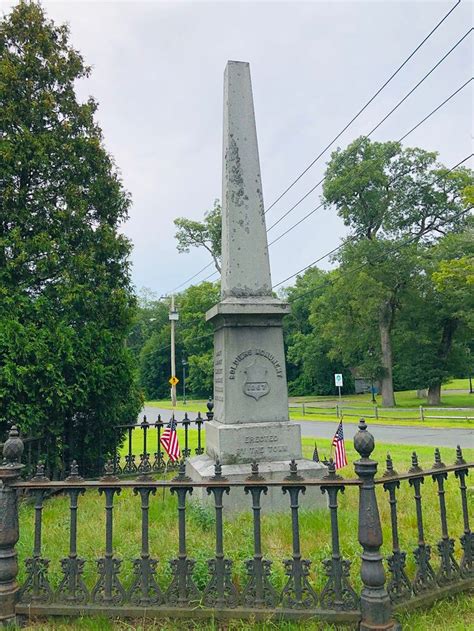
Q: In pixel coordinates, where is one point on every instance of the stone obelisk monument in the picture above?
(251, 420)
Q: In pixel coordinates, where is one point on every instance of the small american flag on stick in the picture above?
(169, 441)
(339, 447)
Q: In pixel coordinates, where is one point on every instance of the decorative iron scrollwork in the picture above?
(259, 590)
(182, 590)
(130, 466)
(338, 593)
(72, 588)
(220, 571)
(449, 569)
(298, 593)
(108, 588)
(467, 561)
(145, 590)
(425, 577)
(36, 588)
(399, 586)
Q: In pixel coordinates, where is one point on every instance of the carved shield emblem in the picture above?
(256, 384)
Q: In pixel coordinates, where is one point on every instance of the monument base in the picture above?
(201, 468)
(245, 442)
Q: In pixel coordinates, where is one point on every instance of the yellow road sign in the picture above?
(173, 381)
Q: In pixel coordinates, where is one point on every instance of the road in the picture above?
(396, 434)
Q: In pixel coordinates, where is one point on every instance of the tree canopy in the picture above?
(66, 303)
(205, 234)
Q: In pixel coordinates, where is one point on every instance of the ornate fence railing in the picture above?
(145, 436)
(147, 592)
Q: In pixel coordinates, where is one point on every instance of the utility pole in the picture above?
(174, 316)
(184, 364)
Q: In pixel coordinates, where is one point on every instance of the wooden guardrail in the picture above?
(421, 413)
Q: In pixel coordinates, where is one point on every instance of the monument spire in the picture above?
(245, 263)
(251, 420)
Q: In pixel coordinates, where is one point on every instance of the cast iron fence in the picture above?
(145, 434)
(338, 601)
(149, 436)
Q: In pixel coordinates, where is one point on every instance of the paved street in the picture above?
(382, 433)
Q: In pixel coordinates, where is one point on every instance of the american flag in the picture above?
(169, 440)
(338, 444)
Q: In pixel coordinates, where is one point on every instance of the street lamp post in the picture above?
(184, 363)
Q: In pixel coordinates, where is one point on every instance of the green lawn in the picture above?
(276, 537)
(457, 384)
(324, 409)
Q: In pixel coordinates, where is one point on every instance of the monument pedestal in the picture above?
(201, 468)
(245, 442)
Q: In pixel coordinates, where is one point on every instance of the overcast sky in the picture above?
(158, 73)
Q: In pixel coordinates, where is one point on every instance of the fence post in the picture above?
(376, 410)
(422, 416)
(303, 408)
(375, 605)
(10, 470)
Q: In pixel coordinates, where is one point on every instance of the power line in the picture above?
(392, 76)
(436, 109)
(422, 80)
(395, 249)
(353, 238)
(322, 180)
(375, 128)
(190, 278)
(346, 127)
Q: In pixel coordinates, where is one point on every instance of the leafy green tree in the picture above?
(391, 198)
(205, 234)
(436, 320)
(150, 317)
(66, 304)
(310, 366)
(194, 344)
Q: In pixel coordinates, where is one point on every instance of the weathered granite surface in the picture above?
(251, 420)
(246, 442)
(245, 264)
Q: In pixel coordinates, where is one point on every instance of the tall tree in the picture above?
(202, 234)
(66, 303)
(310, 363)
(391, 197)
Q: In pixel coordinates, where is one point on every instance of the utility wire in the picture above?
(392, 76)
(395, 249)
(190, 278)
(422, 80)
(322, 180)
(423, 120)
(346, 127)
(436, 109)
(353, 238)
(380, 123)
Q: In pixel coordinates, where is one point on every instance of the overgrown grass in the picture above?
(238, 540)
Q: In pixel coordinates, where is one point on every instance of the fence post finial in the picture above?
(375, 605)
(210, 409)
(10, 470)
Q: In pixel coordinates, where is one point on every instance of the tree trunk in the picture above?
(434, 394)
(449, 327)
(385, 327)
